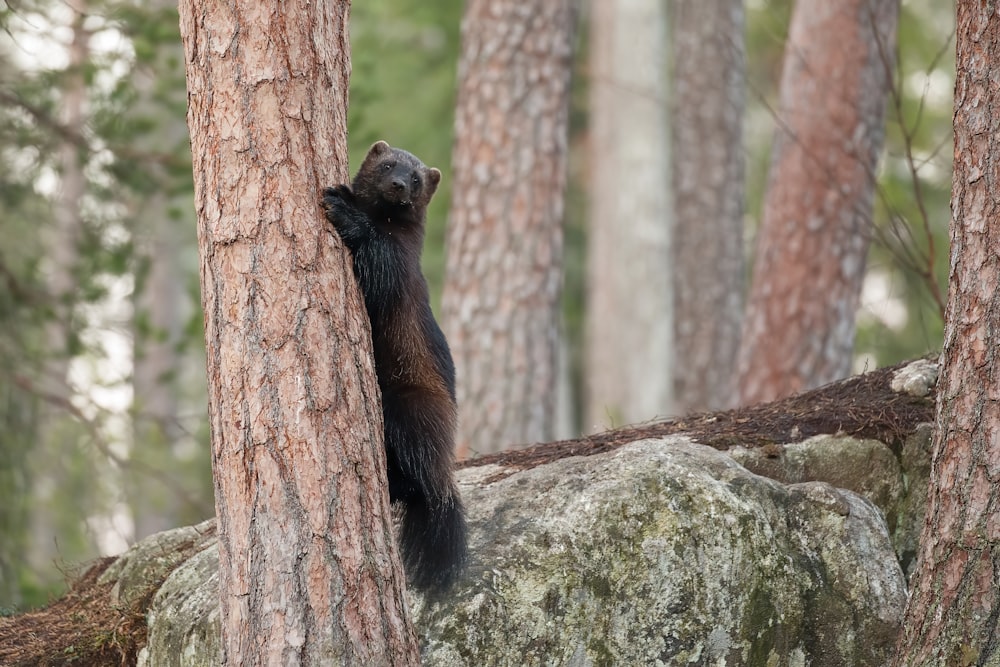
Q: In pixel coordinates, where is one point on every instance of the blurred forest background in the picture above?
(103, 432)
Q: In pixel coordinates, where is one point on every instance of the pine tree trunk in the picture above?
(629, 322)
(501, 297)
(952, 616)
(707, 154)
(309, 573)
(813, 241)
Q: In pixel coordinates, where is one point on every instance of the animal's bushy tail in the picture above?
(432, 539)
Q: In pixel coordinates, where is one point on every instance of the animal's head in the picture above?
(396, 177)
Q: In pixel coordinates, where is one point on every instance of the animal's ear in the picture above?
(433, 178)
(378, 148)
(375, 153)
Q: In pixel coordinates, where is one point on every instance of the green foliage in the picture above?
(909, 258)
(575, 225)
(767, 28)
(60, 449)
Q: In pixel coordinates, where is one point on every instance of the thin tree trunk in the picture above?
(156, 340)
(629, 322)
(63, 242)
(707, 154)
(954, 607)
(501, 298)
(62, 255)
(811, 249)
(309, 573)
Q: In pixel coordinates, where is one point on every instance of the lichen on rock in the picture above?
(667, 552)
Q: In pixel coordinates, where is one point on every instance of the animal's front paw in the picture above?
(342, 192)
(337, 202)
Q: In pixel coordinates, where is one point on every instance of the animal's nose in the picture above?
(398, 184)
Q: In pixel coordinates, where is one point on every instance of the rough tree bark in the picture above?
(308, 568)
(629, 322)
(500, 307)
(707, 97)
(954, 607)
(799, 327)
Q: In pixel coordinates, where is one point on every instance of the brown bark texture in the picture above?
(954, 607)
(309, 573)
(500, 307)
(798, 331)
(629, 320)
(707, 102)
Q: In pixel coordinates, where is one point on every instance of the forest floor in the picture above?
(82, 628)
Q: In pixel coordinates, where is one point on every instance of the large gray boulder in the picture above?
(661, 552)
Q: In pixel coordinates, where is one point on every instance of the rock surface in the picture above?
(662, 552)
(895, 482)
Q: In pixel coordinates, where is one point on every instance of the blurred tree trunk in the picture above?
(309, 572)
(53, 458)
(799, 327)
(629, 322)
(63, 241)
(500, 307)
(954, 606)
(707, 96)
(163, 232)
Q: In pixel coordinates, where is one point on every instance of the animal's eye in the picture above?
(387, 166)
(416, 180)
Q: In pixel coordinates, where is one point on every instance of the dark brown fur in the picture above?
(381, 219)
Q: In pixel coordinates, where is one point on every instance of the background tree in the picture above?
(308, 566)
(799, 328)
(707, 95)
(954, 606)
(67, 266)
(500, 306)
(629, 323)
(898, 318)
(167, 376)
(63, 240)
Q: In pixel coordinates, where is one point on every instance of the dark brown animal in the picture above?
(381, 218)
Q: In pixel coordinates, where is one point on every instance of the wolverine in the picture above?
(381, 218)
